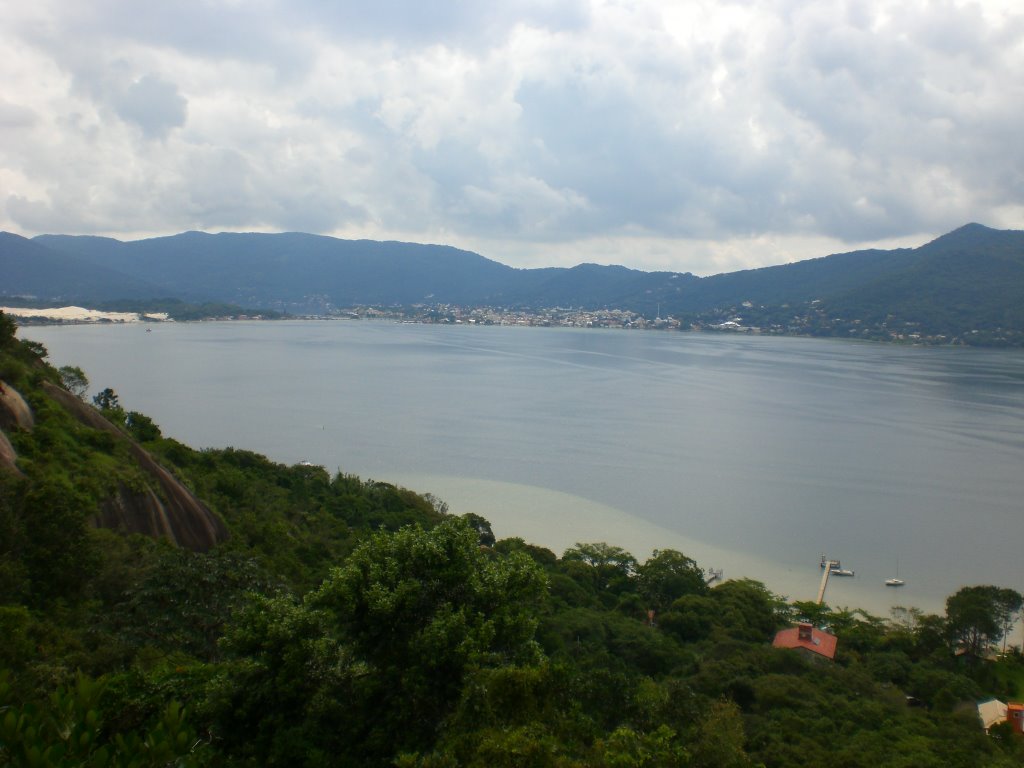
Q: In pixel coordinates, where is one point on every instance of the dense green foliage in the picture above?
(352, 623)
(68, 731)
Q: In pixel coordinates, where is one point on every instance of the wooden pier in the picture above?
(826, 568)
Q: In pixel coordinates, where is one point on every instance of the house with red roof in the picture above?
(814, 643)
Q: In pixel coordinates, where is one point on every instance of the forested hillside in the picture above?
(966, 287)
(339, 622)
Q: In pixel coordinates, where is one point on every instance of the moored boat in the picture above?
(896, 581)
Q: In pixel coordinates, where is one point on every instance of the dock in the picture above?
(826, 570)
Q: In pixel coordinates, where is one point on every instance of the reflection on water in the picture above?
(759, 454)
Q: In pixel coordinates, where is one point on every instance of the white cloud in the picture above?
(690, 136)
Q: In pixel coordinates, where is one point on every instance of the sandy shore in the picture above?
(557, 521)
(81, 315)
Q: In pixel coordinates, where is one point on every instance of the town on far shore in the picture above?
(745, 318)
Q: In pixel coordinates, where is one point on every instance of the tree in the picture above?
(286, 694)
(667, 576)
(8, 329)
(68, 731)
(540, 555)
(812, 611)
(979, 616)
(748, 610)
(612, 568)
(1008, 605)
(626, 748)
(377, 657)
(720, 739)
(421, 608)
(44, 549)
(74, 380)
(482, 528)
(434, 592)
(186, 598)
(142, 427)
(107, 400)
(690, 618)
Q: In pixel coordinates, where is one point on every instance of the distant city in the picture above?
(809, 320)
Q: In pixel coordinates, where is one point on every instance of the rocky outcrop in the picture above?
(8, 457)
(14, 414)
(14, 411)
(137, 512)
(171, 512)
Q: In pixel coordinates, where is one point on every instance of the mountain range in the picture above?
(971, 279)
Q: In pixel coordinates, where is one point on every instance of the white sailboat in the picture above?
(896, 581)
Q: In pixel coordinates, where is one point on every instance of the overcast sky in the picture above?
(691, 136)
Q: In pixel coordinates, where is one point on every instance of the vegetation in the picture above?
(353, 623)
(966, 287)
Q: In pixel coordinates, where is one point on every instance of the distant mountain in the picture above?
(971, 279)
(293, 269)
(30, 269)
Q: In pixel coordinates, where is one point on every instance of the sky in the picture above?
(693, 136)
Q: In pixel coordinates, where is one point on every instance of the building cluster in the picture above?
(545, 317)
(746, 318)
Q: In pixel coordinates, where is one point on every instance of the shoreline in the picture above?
(75, 315)
(557, 520)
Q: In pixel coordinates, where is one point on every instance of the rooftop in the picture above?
(807, 637)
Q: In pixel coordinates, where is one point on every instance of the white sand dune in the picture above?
(81, 315)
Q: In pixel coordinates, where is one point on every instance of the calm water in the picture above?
(751, 454)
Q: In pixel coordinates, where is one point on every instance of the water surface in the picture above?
(752, 454)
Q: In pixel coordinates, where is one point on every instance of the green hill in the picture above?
(967, 286)
(972, 278)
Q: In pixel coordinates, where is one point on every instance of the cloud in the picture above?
(14, 116)
(682, 135)
(152, 104)
(461, 24)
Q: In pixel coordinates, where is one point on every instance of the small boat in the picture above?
(896, 581)
(841, 572)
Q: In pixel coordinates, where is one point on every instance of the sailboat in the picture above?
(896, 581)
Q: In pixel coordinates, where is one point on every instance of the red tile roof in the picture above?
(819, 642)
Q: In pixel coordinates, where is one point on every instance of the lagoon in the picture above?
(751, 454)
